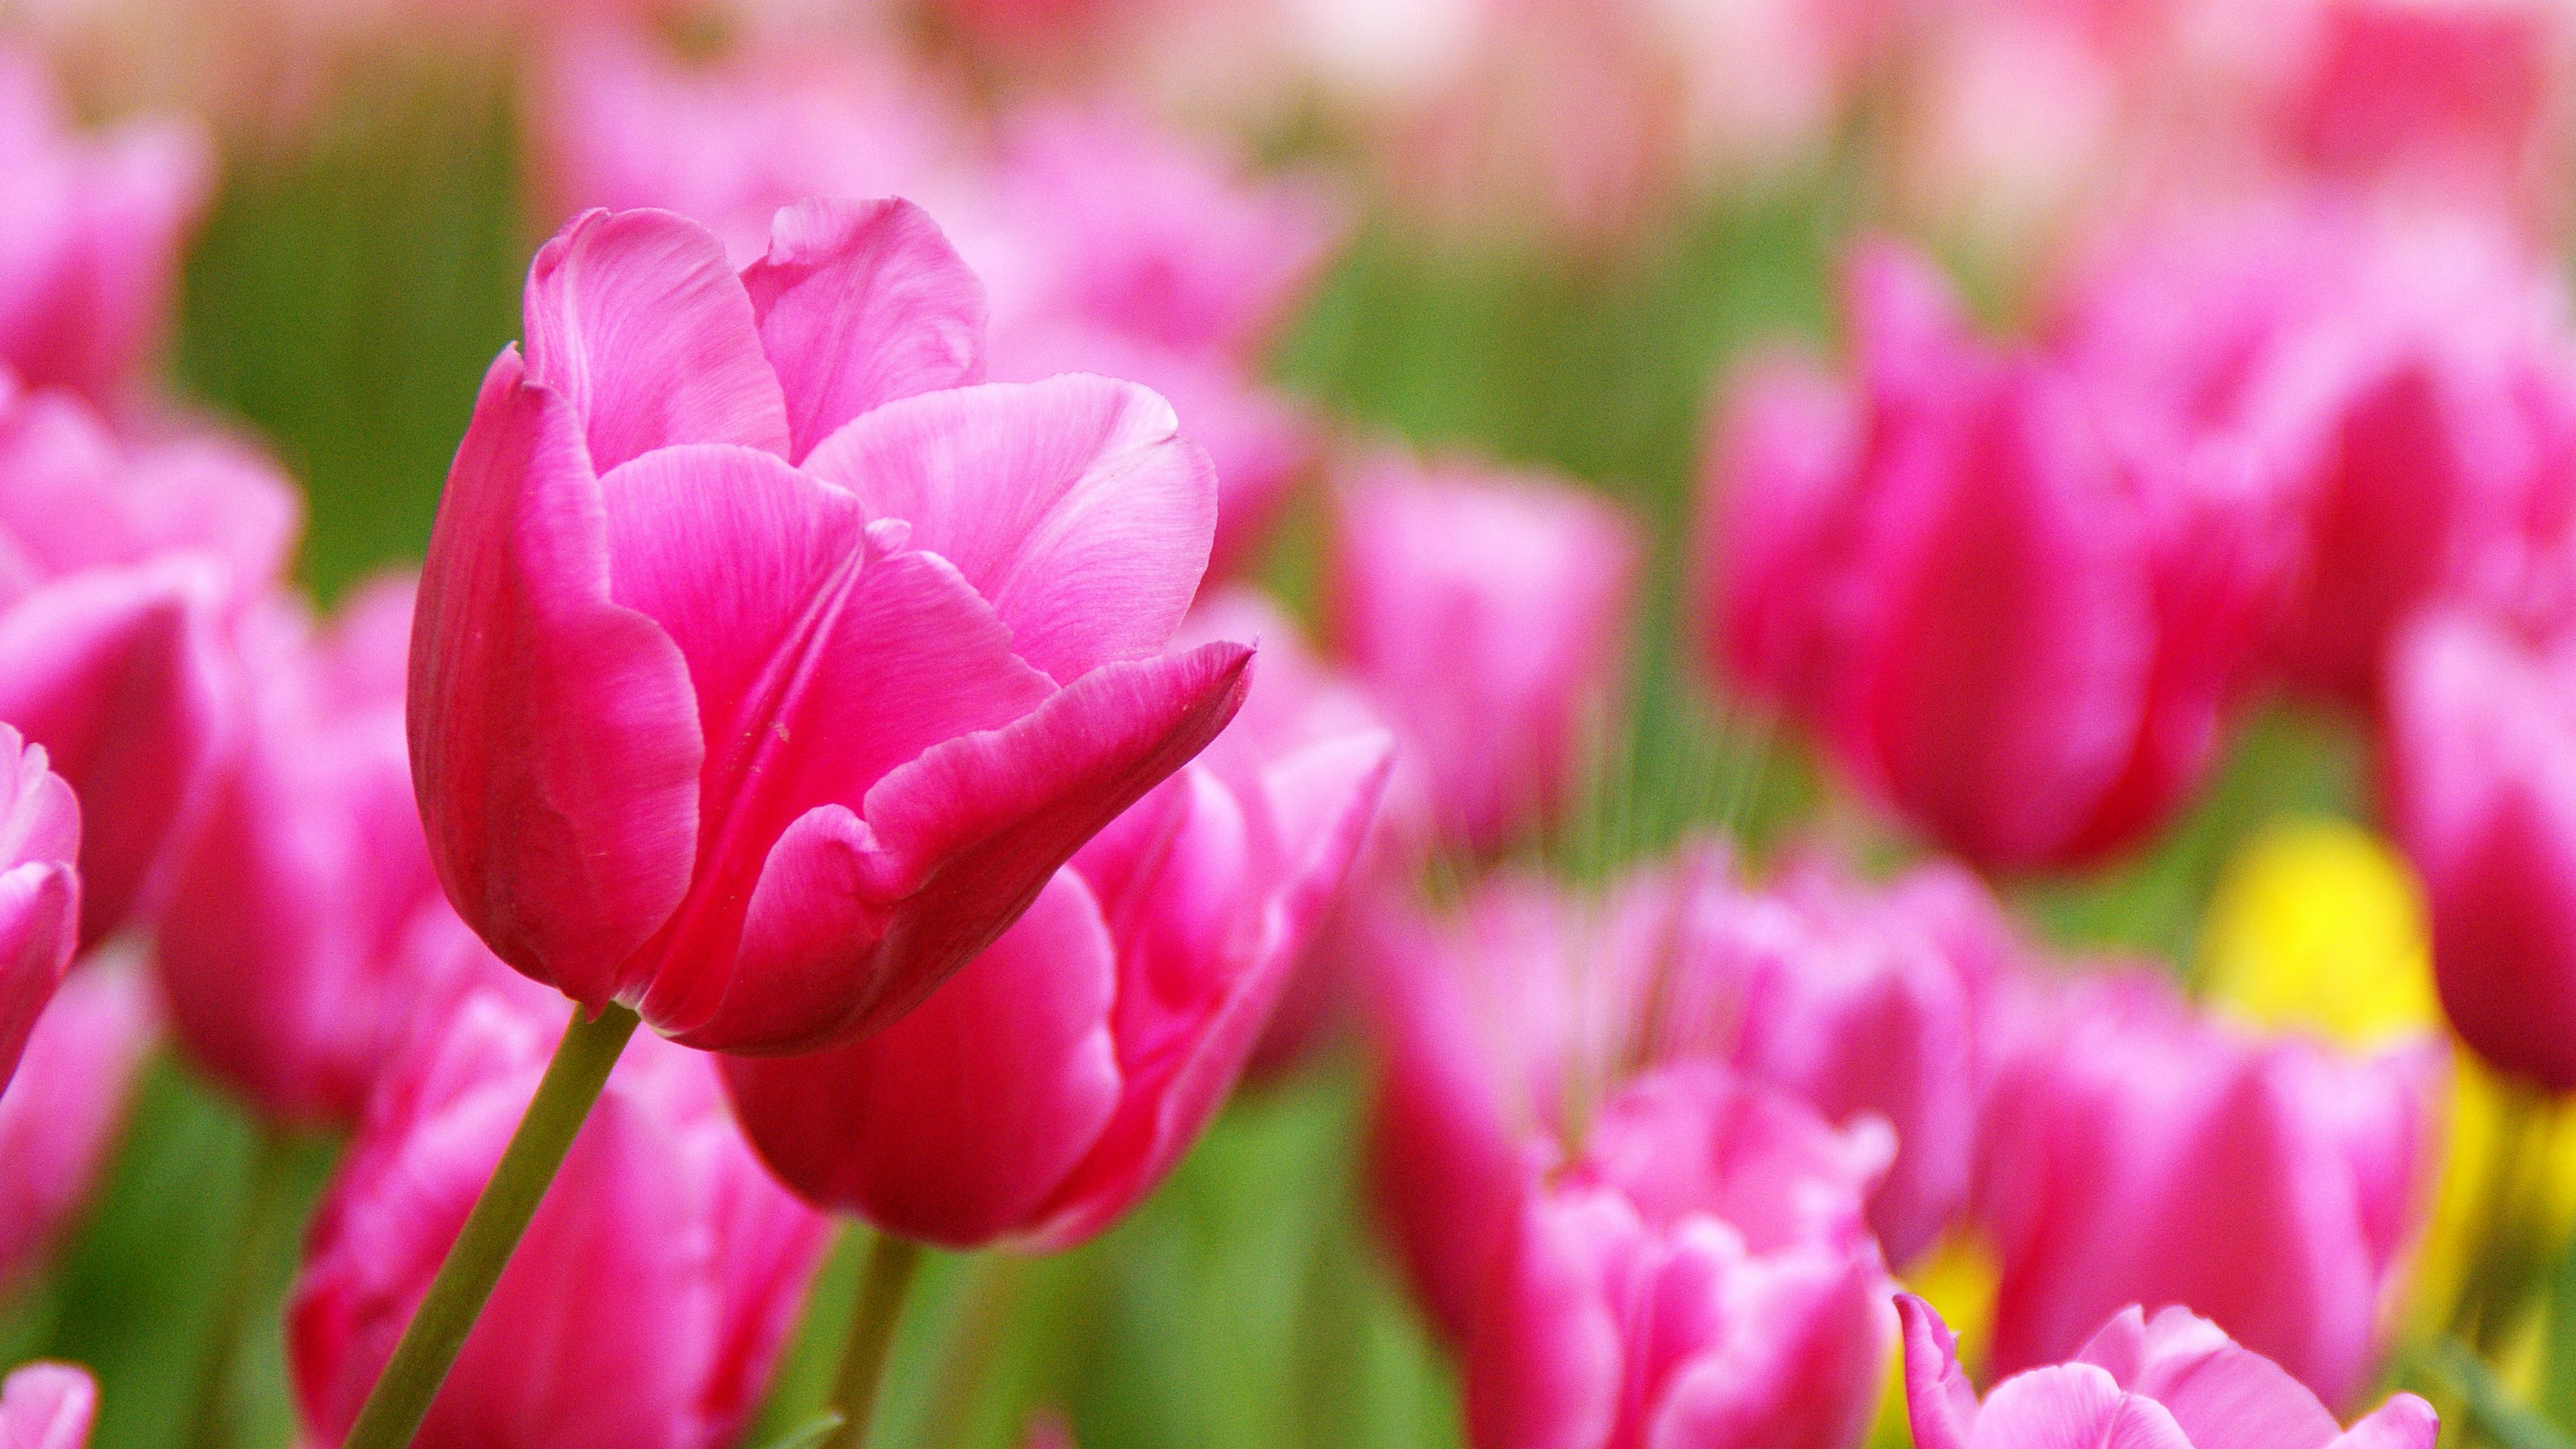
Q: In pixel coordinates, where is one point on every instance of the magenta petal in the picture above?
(115, 672)
(1073, 505)
(554, 736)
(2404, 1422)
(39, 925)
(637, 321)
(952, 848)
(953, 1124)
(2073, 1406)
(1940, 1403)
(47, 1406)
(861, 303)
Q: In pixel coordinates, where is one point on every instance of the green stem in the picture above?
(967, 1358)
(891, 1263)
(210, 1406)
(2497, 1272)
(429, 1346)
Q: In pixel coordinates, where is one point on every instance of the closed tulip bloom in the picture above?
(2482, 789)
(97, 224)
(765, 669)
(2136, 1153)
(1700, 1277)
(47, 1406)
(1489, 615)
(39, 890)
(663, 1261)
(62, 1113)
(2006, 618)
(285, 949)
(2171, 1381)
(1046, 1088)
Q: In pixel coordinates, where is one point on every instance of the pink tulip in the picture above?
(2412, 392)
(2009, 617)
(651, 1295)
(1489, 615)
(2458, 99)
(119, 565)
(1700, 1276)
(1061, 1075)
(286, 948)
(2174, 1381)
(2481, 765)
(39, 890)
(62, 1112)
(1497, 1027)
(47, 1406)
(96, 227)
(2135, 1153)
(765, 670)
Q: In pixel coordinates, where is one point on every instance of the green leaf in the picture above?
(2488, 1406)
(810, 1433)
(2558, 1348)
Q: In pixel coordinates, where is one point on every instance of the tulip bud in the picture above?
(47, 1406)
(39, 890)
(62, 1113)
(651, 1295)
(1700, 1276)
(764, 671)
(2173, 1381)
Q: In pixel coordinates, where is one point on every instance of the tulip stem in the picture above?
(891, 1264)
(401, 1398)
(210, 1404)
(2500, 1257)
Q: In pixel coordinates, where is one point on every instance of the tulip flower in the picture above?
(39, 890)
(2173, 1381)
(2479, 726)
(2137, 1153)
(97, 223)
(119, 565)
(1701, 1275)
(2451, 100)
(61, 1114)
(661, 1276)
(287, 949)
(1488, 613)
(1053, 1082)
(765, 669)
(2008, 622)
(47, 1406)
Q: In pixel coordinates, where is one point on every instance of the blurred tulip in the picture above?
(47, 1406)
(1489, 614)
(285, 949)
(2411, 389)
(97, 225)
(120, 564)
(764, 670)
(2481, 763)
(39, 890)
(2136, 1153)
(1700, 1276)
(2017, 629)
(652, 1293)
(63, 1111)
(1062, 1074)
(2174, 1381)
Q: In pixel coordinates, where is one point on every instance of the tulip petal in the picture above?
(39, 916)
(861, 303)
(2223, 1396)
(953, 1124)
(1940, 1403)
(554, 736)
(1073, 505)
(636, 321)
(1545, 1368)
(2404, 1422)
(47, 1406)
(2073, 1406)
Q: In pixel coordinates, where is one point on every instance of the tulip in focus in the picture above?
(1488, 613)
(62, 1113)
(47, 1406)
(2005, 617)
(1060, 1076)
(2173, 1381)
(1701, 1276)
(96, 227)
(650, 1297)
(39, 891)
(2137, 1153)
(288, 948)
(765, 667)
(2481, 767)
